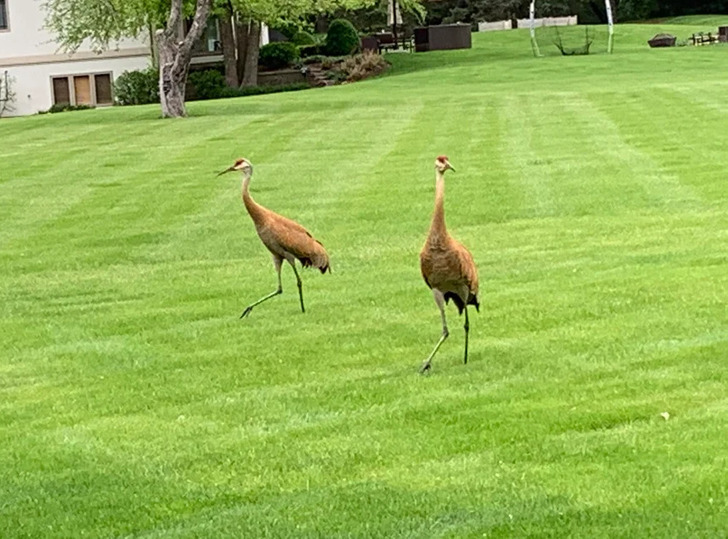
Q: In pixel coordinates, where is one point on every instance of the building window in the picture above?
(212, 35)
(3, 15)
(82, 90)
(61, 91)
(102, 84)
(209, 42)
(91, 90)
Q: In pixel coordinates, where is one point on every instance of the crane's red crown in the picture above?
(442, 158)
(239, 161)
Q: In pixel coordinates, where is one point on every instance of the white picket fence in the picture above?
(526, 23)
(495, 25)
(547, 21)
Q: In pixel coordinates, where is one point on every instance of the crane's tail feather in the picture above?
(318, 259)
(456, 300)
(322, 266)
(460, 304)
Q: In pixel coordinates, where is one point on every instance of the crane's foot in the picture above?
(426, 366)
(246, 312)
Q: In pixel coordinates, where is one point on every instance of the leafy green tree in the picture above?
(102, 22)
(251, 13)
(633, 10)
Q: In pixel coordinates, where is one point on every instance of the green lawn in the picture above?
(592, 194)
(708, 23)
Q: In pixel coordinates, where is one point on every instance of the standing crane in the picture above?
(284, 238)
(447, 266)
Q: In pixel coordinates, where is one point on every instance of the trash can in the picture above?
(449, 36)
(723, 34)
(421, 40)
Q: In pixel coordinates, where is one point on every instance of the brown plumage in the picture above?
(447, 266)
(284, 238)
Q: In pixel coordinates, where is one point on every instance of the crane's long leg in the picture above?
(299, 283)
(277, 261)
(466, 326)
(440, 300)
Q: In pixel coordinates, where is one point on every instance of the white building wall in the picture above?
(31, 57)
(33, 87)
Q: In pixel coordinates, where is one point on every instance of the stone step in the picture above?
(318, 77)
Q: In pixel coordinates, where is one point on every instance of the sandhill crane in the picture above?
(284, 238)
(447, 266)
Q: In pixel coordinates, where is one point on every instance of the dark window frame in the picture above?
(4, 16)
(92, 81)
(95, 82)
(53, 90)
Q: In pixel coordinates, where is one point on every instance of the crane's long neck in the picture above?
(438, 215)
(254, 209)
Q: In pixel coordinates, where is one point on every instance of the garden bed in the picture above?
(281, 77)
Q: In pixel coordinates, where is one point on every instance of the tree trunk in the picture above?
(241, 37)
(153, 50)
(175, 56)
(172, 82)
(321, 24)
(250, 73)
(228, 50)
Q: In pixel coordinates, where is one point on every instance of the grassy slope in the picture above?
(707, 23)
(133, 402)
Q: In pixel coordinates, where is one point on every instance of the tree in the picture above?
(102, 22)
(226, 18)
(175, 56)
(7, 94)
(632, 10)
(252, 13)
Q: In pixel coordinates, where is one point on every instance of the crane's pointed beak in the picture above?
(230, 169)
(450, 166)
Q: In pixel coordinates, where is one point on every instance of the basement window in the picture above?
(61, 91)
(3, 15)
(93, 89)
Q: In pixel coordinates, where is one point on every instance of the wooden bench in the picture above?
(385, 40)
(369, 43)
(701, 39)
